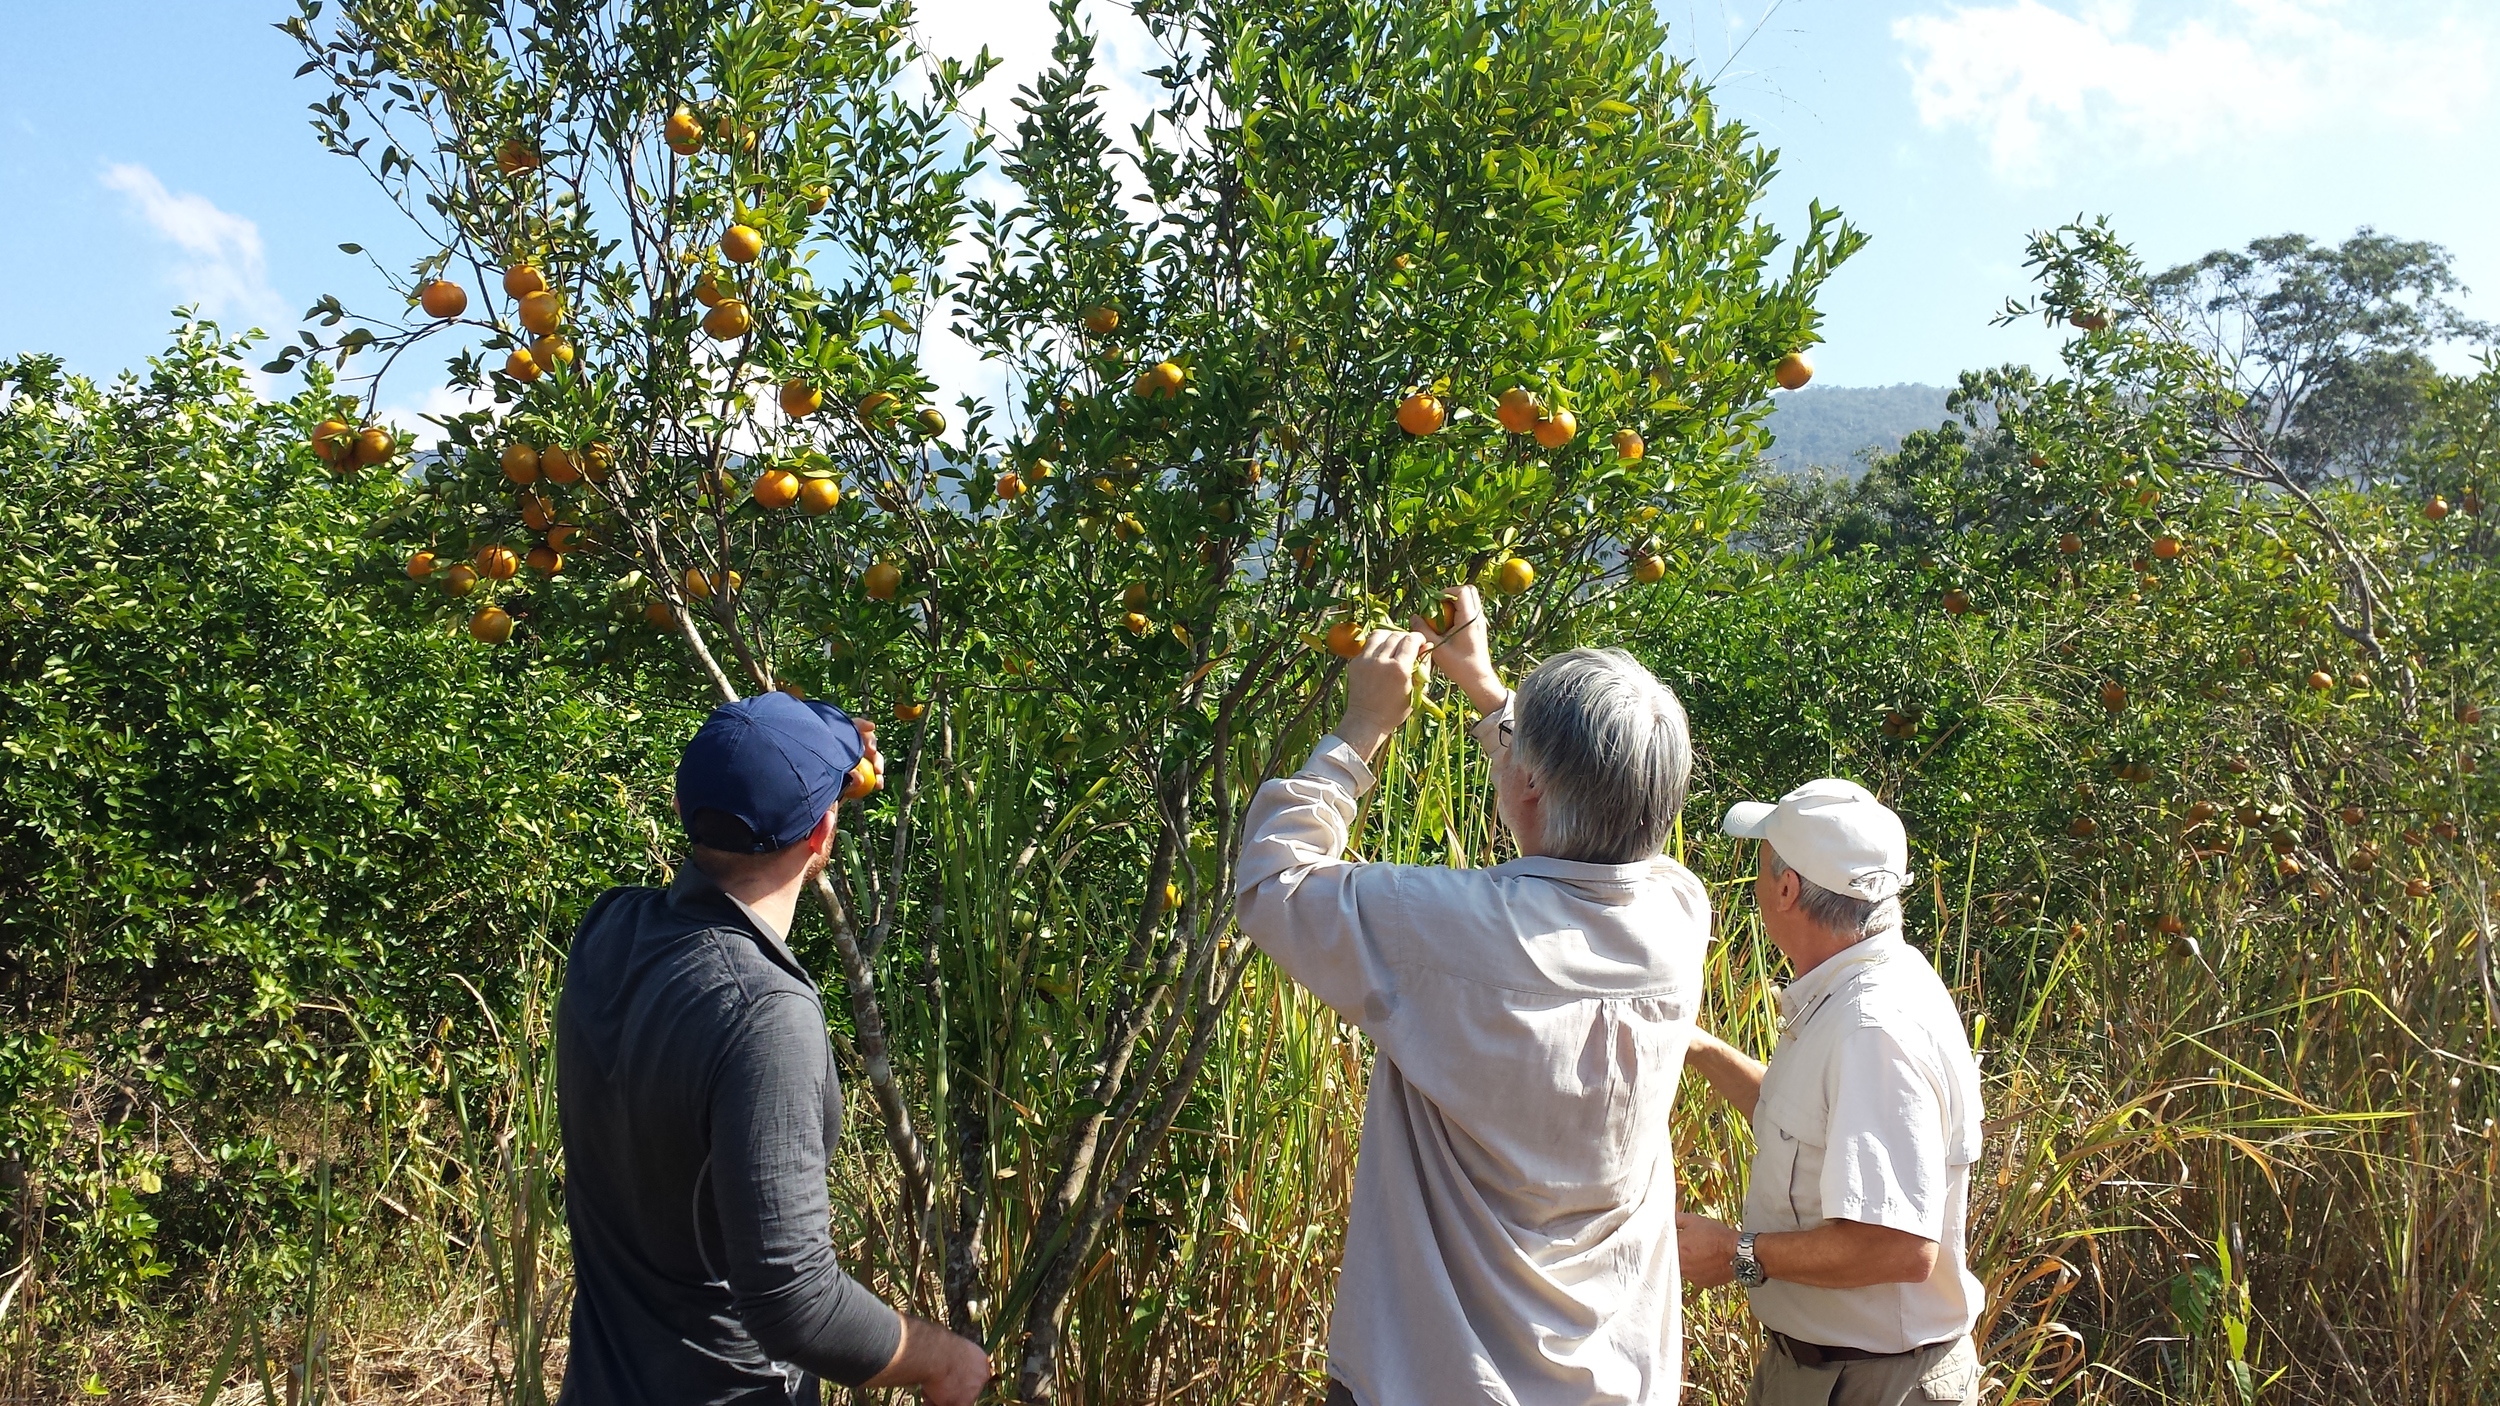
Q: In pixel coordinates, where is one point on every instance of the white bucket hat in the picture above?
(1833, 832)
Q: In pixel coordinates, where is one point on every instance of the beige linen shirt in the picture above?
(1869, 1112)
(1512, 1238)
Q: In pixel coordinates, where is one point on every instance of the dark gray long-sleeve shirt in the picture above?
(696, 1092)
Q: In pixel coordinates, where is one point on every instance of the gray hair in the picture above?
(1845, 914)
(1611, 751)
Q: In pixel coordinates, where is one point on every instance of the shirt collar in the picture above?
(1812, 986)
(694, 889)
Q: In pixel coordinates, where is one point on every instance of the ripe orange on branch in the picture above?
(1010, 486)
(882, 580)
(1515, 577)
(683, 131)
(1421, 414)
(728, 321)
(556, 463)
(496, 562)
(520, 463)
(2435, 509)
(1956, 603)
(460, 579)
(521, 366)
(1102, 321)
(521, 280)
(2321, 680)
(545, 559)
(775, 489)
(1557, 429)
(421, 565)
(537, 514)
(333, 441)
(1164, 379)
(1346, 638)
(2167, 547)
(490, 626)
(819, 496)
(741, 244)
(1629, 447)
(1793, 371)
(541, 313)
(443, 298)
(1649, 570)
(516, 156)
(1518, 410)
(799, 399)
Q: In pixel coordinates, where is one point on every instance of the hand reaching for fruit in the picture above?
(868, 777)
(1461, 651)
(1379, 689)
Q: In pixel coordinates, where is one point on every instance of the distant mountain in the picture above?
(1829, 427)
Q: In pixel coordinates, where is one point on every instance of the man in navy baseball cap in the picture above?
(696, 1090)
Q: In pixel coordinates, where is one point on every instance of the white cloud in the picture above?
(2047, 84)
(220, 265)
(409, 416)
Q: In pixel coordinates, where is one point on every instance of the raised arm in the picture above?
(1732, 1074)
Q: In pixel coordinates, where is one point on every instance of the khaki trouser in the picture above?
(1946, 1372)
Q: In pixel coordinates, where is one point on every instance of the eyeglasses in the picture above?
(1504, 729)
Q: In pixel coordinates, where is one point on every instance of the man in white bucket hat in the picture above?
(1866, 1126)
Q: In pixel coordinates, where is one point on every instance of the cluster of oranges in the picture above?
(346, 448)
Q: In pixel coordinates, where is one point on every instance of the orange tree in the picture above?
(1382, 297)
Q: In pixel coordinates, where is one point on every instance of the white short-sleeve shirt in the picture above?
(1869, 1112)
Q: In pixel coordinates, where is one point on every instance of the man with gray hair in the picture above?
(1512, 1238)
(1865, 1122)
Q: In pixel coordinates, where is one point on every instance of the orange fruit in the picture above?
(560, 535)
(2167, 547)
(1346, 638)
(1793, 371)
(520, 462)
(2113, 696)
(556, 462)
(490, 626)
(1137, 624)
(2089, 319)
(2352, 815)
(741, 244)
(1161, 380)
(800, 399)
(930, 419)
(658, 616)
(421, 565)
(460, 579)
(819, 496)
(865, 781)
(2170, 925)
(333, 442)
(537, 514)
(1169, 899)
(882, 580)
(1629, 447)
(2418, 888)
(2321, 680)
(2070, 544)
(775, 489)
(699, 583)
(597, 459)
(443, 298)
(1649, 570)
(727, 322)
(816, 198)
(683, 132)
(1956, 603)
(521, 280)
(551, 352)
(541, 313)
(516, 156)
(708, 292)
(521, 366)
(1102, 321)
(496, 562)
(2083, 827)
(873, 402)
(2435, 509)
(1518, 411)
(373, 445)
(1133, 595)
(543, 558)
(1515, 577)
(1421, 414)
(1556, 430)
(1010, 485)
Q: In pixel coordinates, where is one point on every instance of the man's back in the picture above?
(698, 1101)
(1513, 1229)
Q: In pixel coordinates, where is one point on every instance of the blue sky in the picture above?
(156, 153)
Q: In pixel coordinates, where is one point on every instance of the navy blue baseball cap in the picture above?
(762, 771)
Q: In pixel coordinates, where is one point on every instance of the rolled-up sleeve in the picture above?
(768, 1186)
(1320, 916)
(1886, 1161)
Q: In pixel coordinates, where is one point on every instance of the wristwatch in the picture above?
(1749, 1273)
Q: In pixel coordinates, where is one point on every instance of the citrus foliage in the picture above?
(264, 845)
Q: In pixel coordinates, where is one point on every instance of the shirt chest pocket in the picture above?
(1786, 1191)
